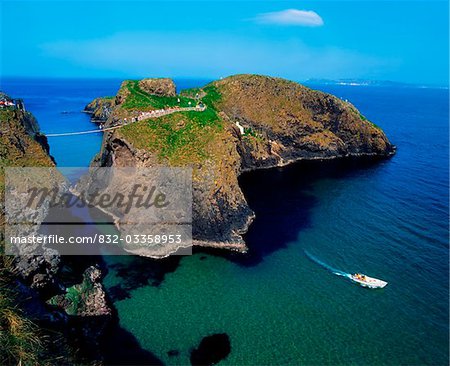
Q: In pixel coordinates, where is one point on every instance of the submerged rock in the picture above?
(211, 350)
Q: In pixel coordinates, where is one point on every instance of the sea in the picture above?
(289, 300)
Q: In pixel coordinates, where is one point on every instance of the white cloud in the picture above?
(307, 18)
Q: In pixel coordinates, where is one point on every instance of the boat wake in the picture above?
(335, 271)
(359, 278)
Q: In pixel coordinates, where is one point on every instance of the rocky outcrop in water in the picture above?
(100, 109)
(251, 122)
(85, 299)
(295, 122)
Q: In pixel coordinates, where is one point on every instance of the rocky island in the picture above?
(243, 122)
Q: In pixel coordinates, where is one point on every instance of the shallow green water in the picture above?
(273, 313)
(388, 220)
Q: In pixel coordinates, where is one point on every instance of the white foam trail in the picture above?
(335, 271)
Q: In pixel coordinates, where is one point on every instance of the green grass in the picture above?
(191, 93)
(212, 97)
(142, 101)
(180, 137)
(366, 120)
(20, 341)
(73, 294)
(249, 132)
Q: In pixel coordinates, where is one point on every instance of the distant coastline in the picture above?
(374, 83)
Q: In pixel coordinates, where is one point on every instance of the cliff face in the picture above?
(27, 281)
(250, 122)
(21, 144)
(295, 122)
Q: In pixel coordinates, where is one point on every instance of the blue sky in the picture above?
(404, 41)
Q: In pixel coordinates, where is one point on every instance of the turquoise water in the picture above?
(387, 219)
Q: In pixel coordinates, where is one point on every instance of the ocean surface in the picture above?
(388, 219)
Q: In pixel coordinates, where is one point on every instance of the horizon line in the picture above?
(357, 81)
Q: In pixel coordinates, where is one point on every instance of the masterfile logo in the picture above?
(145, 211)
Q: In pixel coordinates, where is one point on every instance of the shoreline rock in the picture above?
(99, 109)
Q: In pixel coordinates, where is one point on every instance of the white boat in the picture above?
(367, 281)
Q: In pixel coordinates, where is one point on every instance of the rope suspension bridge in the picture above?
(142, 116)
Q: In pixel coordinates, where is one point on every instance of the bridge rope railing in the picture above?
(141, 117)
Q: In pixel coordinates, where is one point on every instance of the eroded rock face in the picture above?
(21, 144)
(220, 214)
(100, 109)
(38, 271)
(20, 134)
(161, 87)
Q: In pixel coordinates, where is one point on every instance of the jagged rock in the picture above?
(88, 311)
(86, 299)
(100, 109)
(161, 87)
